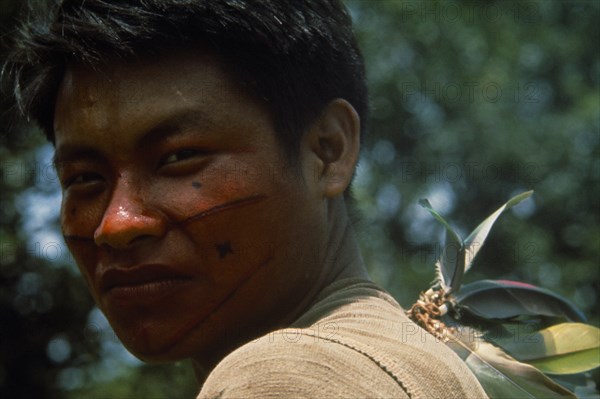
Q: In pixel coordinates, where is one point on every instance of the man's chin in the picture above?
(153, 349)
(163, 342)
(148, 341)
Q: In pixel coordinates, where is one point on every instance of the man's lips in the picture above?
(138, 276)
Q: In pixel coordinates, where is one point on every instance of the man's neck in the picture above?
(341, 257)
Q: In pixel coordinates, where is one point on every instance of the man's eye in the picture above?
(181, 155)
(83, 178)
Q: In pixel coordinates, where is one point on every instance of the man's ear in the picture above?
(335, 140)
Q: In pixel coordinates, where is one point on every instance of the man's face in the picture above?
(190, 228)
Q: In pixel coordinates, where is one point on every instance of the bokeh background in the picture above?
(473, 102)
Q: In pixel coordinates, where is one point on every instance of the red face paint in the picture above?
(182, 269)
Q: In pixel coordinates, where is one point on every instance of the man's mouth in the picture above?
(141, 283)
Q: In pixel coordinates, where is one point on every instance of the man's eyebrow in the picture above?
(171, 125)
(72, 152)
(176, 123)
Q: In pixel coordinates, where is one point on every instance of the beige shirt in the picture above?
(355, 342)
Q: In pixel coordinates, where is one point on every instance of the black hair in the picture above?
(296, 55)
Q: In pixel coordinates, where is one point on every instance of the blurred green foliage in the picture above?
(472, 102)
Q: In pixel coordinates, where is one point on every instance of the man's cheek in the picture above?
(84, 253)
(230, 236)
(190, 197)
(79, 219)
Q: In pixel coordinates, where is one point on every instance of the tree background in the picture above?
(472, 102)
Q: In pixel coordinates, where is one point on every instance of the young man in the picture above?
(204, 148)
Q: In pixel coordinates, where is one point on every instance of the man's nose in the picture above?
(127, 219)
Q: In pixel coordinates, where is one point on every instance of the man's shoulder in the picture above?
(355, 342)
(298, 362)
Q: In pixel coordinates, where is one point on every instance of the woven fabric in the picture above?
(355, 342)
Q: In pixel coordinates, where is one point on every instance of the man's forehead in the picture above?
(174, 69)
(145, 96)
(78, 79)
(98, 95)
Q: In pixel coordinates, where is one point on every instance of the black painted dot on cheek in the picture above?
(224, 249)
(196, 184)
(73, 211)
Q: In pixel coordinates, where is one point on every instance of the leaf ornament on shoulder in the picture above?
(509, 365)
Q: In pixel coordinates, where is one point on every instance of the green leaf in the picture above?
(569, 364)
(425, 204)
(566, 348)
(500, 375)
(503, 299)
(476, 239)
(450, 267)
(457, 257)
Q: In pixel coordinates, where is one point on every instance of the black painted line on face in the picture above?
(189, 328)
(253, 199)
